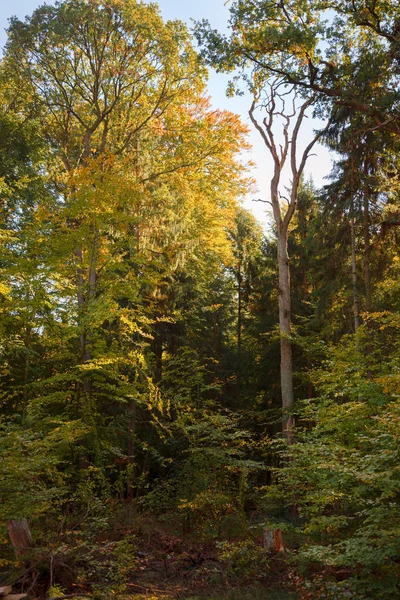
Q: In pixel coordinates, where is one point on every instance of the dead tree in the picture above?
(284, 153)
(20, 536)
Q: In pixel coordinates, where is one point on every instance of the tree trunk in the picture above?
(272, 540)
(20, 536)
(86, 294)
(356, 304)
(285, 329)
(239, 328)
(367, 256)
(239, 315)
(92, 287)
(81, 299)
(83, 387)
(131, 451)
(287, 150)
(27, 362)
(367, 250)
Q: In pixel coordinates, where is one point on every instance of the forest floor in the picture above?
(153, 561)
(138, 557)
(200, 571)
(173, 567)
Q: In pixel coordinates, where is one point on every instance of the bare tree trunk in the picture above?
(367, 257)
(239, 279)
(285, 328)
(239, 314)
(274, 107)
(367, 249)
(356, 303)
(27, 362)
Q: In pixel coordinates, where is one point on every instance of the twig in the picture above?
(140, 587)
(260, 200)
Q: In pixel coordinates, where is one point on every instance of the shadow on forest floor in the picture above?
(251, 593)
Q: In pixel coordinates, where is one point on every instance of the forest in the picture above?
(194, 406)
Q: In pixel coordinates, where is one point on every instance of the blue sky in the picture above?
(217, 12)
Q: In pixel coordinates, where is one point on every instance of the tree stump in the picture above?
(272, 540)
(20, 536)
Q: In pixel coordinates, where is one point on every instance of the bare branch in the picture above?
(264, 201)
(258, 126)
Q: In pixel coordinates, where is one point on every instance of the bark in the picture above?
(367, 257)
(356, 303)
(272, 540)
(367, 244)
(85, 299)
(239, 327)
(85, 386)
(92, 287)
(20, 536)
(239, 315)
(27, 362)
(86, 294)
(81, 299)
(286, 151)
(285, 328)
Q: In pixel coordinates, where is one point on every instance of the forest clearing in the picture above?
(196, 404)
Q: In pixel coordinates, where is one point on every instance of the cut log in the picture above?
(5, 589)
(20, 536)
(272, 540)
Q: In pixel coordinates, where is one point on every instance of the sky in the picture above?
(217, 13)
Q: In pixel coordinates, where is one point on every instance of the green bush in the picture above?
(244, 559)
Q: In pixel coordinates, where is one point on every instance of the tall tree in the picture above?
(274, 106)
(142, 178)
(99, 76)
